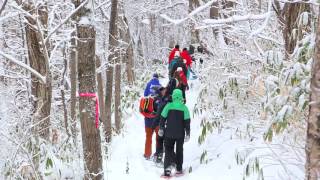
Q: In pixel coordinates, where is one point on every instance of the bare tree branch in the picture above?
(236, 18)
(33, 71)
(65, 20)
(194, 12)
(3, 6)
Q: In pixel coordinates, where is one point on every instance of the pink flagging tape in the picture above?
(97, 104)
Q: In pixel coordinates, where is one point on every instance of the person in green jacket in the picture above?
(175, 127)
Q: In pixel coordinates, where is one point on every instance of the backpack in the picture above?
(146, 107)
(173, 62)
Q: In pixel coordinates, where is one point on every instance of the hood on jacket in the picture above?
(177, 96)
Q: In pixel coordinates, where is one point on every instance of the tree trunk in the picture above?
(289, 18)
(292, 12)
(65, 112)
(42, 92)
(113, 33)
(129, 60)
(195, 35)
(100, 93)
(73, 79)
(117, 98)
(313, 129)
(108, 101)
(214, 14)
(87, 84)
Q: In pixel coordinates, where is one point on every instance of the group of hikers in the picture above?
(166, 114)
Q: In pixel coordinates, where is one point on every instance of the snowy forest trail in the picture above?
(229, 154)
(126, 159)
(129, 148)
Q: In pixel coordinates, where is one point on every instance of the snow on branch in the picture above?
(237, 18)
(9, 16)
(33, 71)
(174, 21)
(314, 2)
(3, 6)
(266, 21)
(65, 20)
(194, 12)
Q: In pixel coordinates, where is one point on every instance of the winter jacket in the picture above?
(183, 78)
(152, 87)
(172, 85)
(171, 55)
(175, 67)
(175, 117)
(185, 55)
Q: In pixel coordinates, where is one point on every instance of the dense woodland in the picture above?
(254, 105)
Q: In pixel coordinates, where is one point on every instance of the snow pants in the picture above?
(148, 144)
(159, 147)
(183, 89)
(172, 157)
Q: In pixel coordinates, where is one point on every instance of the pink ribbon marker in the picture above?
(97, 104)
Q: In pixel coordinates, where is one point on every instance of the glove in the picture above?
(187, 138)
(160, 132)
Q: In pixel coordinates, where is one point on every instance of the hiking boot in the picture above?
(159, 160)
(167, 172)
(158, 157)
(146, 157)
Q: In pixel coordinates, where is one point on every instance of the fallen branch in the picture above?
(33, 71)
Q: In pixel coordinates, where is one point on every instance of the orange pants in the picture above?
(149, 133)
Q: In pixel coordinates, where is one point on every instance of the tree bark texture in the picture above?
(87, 84)
(65, 112)
(289, 17)
(129, 56)
(313, 127)
(195, 34)
(42, 93)
(101, 93)
(113, 43)
(117, 98)
(73, 79)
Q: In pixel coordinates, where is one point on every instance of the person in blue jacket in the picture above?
(152, 86)
(151, 124)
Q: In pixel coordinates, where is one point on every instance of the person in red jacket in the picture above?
(183, 82)
(172, 53)
(185, 55)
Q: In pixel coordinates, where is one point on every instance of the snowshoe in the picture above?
(179, 173)
(167, 174)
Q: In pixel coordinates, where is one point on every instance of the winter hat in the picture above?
(156, 75)
(177, 95)
(177, 54)
(179, 69)
(177, 46)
